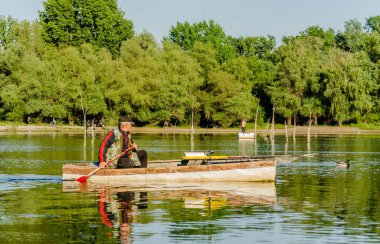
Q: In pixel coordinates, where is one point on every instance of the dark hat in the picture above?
(125, 119)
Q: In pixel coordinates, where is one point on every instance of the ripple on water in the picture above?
(25, 181)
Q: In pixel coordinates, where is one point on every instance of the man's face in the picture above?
(125, 126)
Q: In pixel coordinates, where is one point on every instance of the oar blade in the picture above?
(82, 179)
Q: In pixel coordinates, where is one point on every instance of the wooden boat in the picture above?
(191, 168)
(246, 135)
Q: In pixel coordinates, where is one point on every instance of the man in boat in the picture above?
(118, 140)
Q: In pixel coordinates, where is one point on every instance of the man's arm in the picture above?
(106, 143)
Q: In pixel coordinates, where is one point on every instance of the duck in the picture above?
(343, 164)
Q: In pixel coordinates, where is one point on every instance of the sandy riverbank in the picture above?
(79, 129)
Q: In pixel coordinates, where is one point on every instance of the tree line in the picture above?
(82, 60)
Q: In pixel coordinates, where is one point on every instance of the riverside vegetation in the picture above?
(82, 60)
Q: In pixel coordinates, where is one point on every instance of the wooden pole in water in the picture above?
(294, 126)
(272, 133)
(92, 129)
(84, 116)
(257, 110)
(286, 131)
(266, 131)
(192, 119)
(308, 129)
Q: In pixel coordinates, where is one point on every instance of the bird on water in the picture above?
(343, 164)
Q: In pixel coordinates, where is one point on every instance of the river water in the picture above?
(311, 201)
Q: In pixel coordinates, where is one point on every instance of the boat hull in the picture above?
(254, 171)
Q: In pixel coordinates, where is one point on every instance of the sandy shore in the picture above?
(299, 130)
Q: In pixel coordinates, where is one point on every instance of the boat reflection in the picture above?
(216, 195)
(120, 206)
(236, 193)
(247, 147)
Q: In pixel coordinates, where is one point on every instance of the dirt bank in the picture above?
(79, 129)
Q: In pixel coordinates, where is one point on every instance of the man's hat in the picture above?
(125, 119)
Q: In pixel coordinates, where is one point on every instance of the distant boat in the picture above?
(246, 135)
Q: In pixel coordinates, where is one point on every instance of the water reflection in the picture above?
(120, 207)
(117, 211)
(247, 147)
(235, 193)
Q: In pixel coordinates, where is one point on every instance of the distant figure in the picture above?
(102, 122)
(243, 125)
(88, 124)
(343, 164)
(53, 122)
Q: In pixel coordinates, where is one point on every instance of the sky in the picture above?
(277, 18)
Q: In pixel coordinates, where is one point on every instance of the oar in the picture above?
(278, 158)
(252, 157)
(84, 178)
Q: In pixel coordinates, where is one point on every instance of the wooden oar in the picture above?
(84, 178)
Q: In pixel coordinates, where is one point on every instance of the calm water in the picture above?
(312, 201)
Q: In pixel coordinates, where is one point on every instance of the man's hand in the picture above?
(102, 164)
(134, 145)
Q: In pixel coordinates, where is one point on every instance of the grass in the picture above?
(375, 126)
(3, 123)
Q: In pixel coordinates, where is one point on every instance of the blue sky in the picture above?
(237, 17)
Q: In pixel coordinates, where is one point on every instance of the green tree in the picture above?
(239, 67)
(135, 79)
(284, 102)
(316, 31)
(28, 76)
(92, 100)
(186, 35)
(205, 55)
(353, 37)
(350, 86)
(178, 99)
(227, 101)
(372, 46)
(312, 108)
(74, 22)
(373, 23)
(7, 36)
(75, 68)
(261, 47)
(108, 75)
(299, 71)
